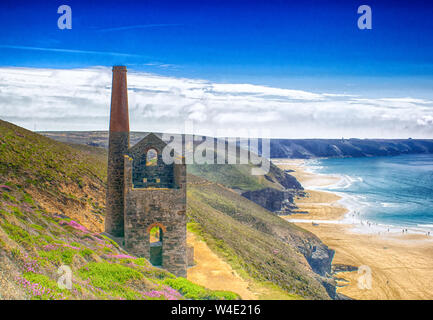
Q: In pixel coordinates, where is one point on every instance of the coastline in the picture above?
(400, 264)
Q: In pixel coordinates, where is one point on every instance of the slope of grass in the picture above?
(232, 176)
(238, 176)
(255, 242)
(43, 162)
(245, 235)
(63, 178)
(34, 242)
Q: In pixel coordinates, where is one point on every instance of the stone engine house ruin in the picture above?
(146, 198)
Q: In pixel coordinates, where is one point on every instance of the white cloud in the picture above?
(79, 99)
(425, 121)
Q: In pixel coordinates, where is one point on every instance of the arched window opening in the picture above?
(155, 234)
(151, 157)
(155, 245)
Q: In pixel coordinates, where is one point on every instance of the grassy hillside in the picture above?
(61, 178)
(239, 177)
(34, 244)
(233, 176)
(257, 243)
(70, 178)
(37, 174)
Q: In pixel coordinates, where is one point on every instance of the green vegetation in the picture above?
(232, 176)
(251, 239)
(42, 161)
(35, 242)
(111, 278)
(69, 178)
(105, 274)
(96, 274)
(43, 288)
(16, 233)
(62, 177)
(87, 253)
(59, 256)
(239, 177)
(37, 227)
(196, 292)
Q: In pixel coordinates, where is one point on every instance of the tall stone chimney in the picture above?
(117, 147)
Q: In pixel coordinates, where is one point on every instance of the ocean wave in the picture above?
(425, 225)
(380, 197)
(313, 166)
(389, 204)
(345, 182)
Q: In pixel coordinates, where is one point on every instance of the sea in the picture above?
(383, 194)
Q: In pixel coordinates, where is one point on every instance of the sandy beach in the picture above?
(400, 264)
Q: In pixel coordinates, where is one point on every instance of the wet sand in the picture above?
(401, 265)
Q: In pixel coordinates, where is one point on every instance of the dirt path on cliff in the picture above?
(214, 273)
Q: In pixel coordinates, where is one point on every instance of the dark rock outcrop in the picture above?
(284, 179)
(277, 201)
(320, 259)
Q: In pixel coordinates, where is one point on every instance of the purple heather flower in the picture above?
(75, 225)
(120, 256)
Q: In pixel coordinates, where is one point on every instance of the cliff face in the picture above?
(287, 148)
(279, 201)
(259, 242)
(312, 148)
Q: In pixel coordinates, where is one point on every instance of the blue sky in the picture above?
(300, 45)
(226, 40)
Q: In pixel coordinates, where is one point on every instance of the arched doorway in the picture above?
(156, 238)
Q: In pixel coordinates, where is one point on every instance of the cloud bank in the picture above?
(79, 99)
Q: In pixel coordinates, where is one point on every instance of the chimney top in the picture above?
(119, 118)
(119, 68)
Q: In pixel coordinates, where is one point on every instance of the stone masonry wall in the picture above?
(164, 207)
(118, 146)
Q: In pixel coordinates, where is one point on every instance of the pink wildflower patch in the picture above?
(100, 241)
(30, 264)
(153, 294)
(37, 290)
(26, 208)
(5, 187)
(74, 225)
(71, 247)
(55, 246)
(120, 256)
(165, 293)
